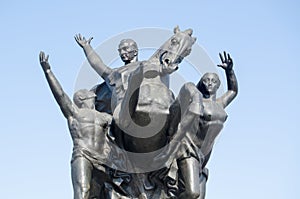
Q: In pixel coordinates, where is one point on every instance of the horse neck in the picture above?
(158, 53)
(155, 59)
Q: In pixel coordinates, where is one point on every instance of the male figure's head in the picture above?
(84, 99)
(128, 51)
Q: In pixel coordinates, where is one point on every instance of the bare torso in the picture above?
(88, 129)
(211, 124)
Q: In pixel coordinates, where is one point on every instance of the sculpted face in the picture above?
(89, 103)
(84, 99)
(211, 83)
(128, 50)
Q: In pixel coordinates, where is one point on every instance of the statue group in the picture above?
(131, 137)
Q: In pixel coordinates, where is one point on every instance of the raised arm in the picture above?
(232, 84)
(93, 58)
(65, 103)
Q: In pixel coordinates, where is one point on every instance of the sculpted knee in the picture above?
(193, 193)
(85, 188)
(85, 191)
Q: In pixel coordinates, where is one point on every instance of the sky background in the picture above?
(256, 155)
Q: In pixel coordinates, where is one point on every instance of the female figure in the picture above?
(210, 125)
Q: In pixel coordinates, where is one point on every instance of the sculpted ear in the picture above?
(194, 39)
(176, 29)
(189, 32)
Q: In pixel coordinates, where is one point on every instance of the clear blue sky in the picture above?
(254, 157)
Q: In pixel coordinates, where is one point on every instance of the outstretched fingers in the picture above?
(78, 37)
(43, 57)
(225, 56)
(82, 41)
(40, 56)
(229, 61)
(90, 39)
(224, 59)
(229, 58)
(44, 61)
(221, 57)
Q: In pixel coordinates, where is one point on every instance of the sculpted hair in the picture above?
(129, 41)
(200, 85)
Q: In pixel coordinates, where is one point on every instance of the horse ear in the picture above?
(194, 39)
(189, 32)
(176, 29)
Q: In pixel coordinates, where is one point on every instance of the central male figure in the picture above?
(116, 79)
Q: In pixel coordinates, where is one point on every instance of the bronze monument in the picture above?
(131, 137)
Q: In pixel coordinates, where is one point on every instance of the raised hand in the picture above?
(227, 63)
(82, 42)
(44, 61)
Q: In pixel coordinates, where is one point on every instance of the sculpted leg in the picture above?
(81, 177)
(189, 168)
(203, 180)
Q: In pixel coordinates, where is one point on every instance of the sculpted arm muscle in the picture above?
(92, 57)
(63, 100)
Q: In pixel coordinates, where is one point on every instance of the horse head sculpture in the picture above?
(172, 52)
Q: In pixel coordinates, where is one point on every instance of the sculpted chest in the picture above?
(213, 111)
